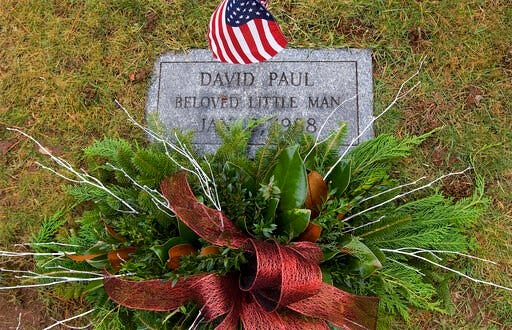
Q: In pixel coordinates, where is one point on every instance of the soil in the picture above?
(458, 187)
(422, 116)
(24, 311)
(355, 27)
(418, 38)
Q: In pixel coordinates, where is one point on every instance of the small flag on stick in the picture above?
(243, 32)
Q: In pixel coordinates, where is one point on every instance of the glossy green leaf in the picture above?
(186, 233)
(162, 251)
(294, 222)
(340, 177)
(291, 178)
(363, 261)
(329, 254)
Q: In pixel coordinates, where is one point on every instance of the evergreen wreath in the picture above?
(376, 239)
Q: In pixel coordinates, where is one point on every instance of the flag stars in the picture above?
(239, 12)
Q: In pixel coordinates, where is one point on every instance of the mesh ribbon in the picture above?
(279, 288)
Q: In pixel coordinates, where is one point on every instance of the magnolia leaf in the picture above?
(316, 194)
(330, 253)
(117, 257)
(95, 256)
(312, 233)
(210, 249)
(364, 261)
(114, 234)
(83, 257)
(176, 252)
(340, 177)
(185, 232)
(290, 177)
(162, 250)
(294, 222)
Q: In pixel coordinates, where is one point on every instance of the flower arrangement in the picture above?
(296, 236)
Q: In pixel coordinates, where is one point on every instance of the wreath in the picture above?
(302, 234)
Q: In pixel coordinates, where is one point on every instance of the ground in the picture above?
(63, 62)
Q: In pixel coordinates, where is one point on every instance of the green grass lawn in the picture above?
(62, 63)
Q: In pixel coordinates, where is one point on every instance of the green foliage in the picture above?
(228, 260)
(291, 179)
(372, 160)
(277, 141)
(321, 155)
(265, 197)
(49, 228)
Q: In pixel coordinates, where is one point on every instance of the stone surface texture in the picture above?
(190, 91)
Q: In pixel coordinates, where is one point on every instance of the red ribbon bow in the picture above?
(279, 288)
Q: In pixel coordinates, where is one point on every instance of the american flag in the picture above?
(243, 31)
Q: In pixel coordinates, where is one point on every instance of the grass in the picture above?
(63, 62)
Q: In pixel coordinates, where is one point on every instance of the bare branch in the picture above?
(406, 266)
(392, 189)
(420, 250)
(399, 95)
(204, 180)
(156, 197)
(83, 177)
(47, 243)
(413, 255)
(406, 193)
(69, 319)
(58, 279)
(19, 322)
(363, 225)
(317, 142)
(35, 254)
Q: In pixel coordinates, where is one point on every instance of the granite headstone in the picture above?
(190, 91)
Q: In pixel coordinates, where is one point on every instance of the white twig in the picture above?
(35, 254)
(47, 243)
(58, 279)
(156, 197)
(19, 322)
(69, 270)
(83, 177)
(317, 142)
(392, 189)
(31, 285)
(363, 225)
(204, 180)
(406, 266)
(69, 319)
(399, 95)
(197, 320)
(74, 327)
(413, 255)
(406, 193)
(358, 326)
(52, 260)
(420, 250)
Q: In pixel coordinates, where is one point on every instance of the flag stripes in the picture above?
(249, 35)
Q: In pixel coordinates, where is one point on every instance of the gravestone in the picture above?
(190, 91)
